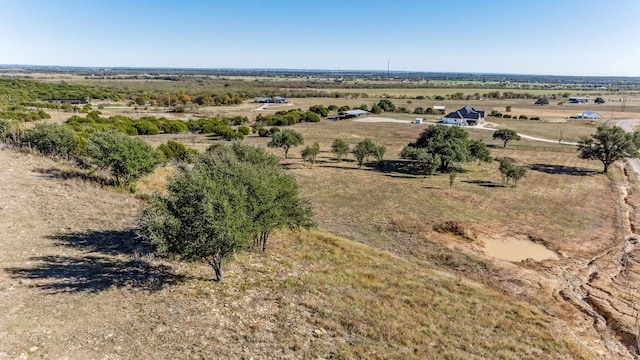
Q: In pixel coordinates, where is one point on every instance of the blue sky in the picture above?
(557, 37)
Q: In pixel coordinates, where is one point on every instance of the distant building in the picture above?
(352, 113)
(465, 116)
(592, 115)
(439, 107)
(69, 101)
(349, 114)
(579, 99)
(270, 100)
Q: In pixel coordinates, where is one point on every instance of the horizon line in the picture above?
(308, 70)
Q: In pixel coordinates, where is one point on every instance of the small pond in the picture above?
(517, 249)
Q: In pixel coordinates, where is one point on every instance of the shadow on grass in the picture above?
(565, 170)
(112, 259)
(66, 174)
(108, 242)
(483, 183)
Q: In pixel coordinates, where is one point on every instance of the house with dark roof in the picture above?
(579, 99)
(270, 100)
(465, 116)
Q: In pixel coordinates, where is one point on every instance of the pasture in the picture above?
(393, 250)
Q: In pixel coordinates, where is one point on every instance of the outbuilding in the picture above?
(592, 115)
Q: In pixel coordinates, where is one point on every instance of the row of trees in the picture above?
(286, 139)
(288, 117)
(126, 158)
(150, 125)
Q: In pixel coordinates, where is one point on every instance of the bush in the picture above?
(310, 152)
(175, 127)
(386, 105)
(319, 110)
(52, 140)
(145, 127)
(244, 130)
(523, 117)
(127, 158)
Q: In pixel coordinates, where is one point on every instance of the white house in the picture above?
(587, 115)
(465, 116)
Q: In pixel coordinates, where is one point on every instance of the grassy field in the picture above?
(76, 282)
(78, 285)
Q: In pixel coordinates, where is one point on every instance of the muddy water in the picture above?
(515, 249)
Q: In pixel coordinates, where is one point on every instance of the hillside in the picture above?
(75, 282)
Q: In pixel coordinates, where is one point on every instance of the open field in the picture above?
(75, 283)
(393, 250)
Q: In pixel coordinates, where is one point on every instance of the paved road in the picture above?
(627, 125)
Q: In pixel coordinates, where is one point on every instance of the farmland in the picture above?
(393, 250)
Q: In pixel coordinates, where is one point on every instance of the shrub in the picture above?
(310, 152)
(145, 127)
(126, 157)
(51, 139)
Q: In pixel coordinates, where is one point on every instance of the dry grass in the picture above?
(554, 202)
(76, 284)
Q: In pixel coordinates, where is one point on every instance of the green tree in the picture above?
(231, 198)
(386, 105)
(379, 152)
(203, 217)
(310, 152)
(505, 135)
(423, 162)
(609, 144)
(320, 110)
(511, 171)
(449, 143)
(542, 101)
(599, 100)
(375, 109)
(286, 139)
(340, 148)
(127, 158)
(479, 150)
(363, 150)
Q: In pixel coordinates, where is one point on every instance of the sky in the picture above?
(543, 37)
